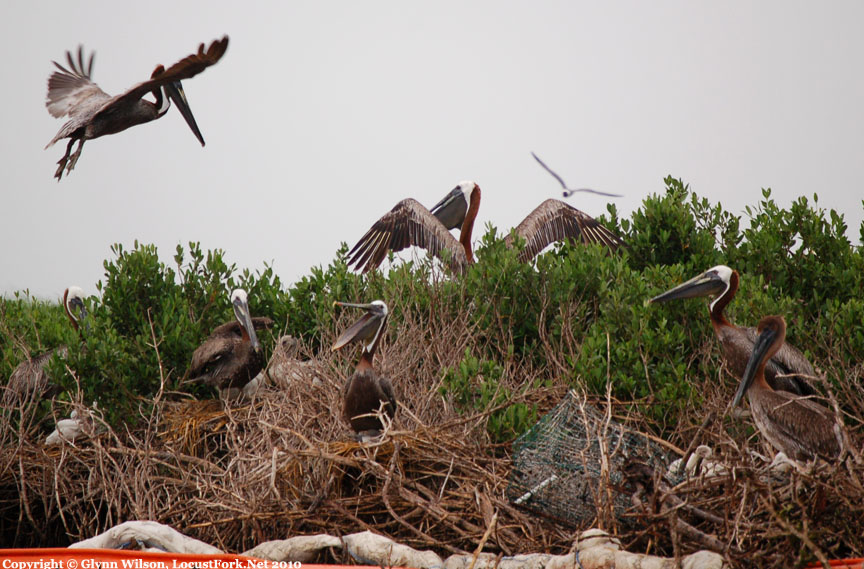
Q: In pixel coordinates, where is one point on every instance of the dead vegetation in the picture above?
(284, 464)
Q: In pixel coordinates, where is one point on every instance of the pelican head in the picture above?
(174, 92)
(452, 208)
(772, 333)
(73, 302)
(367, 328)
(714, 281)
(241, 311)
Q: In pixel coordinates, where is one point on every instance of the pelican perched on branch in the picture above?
(794, 425)
(30, 379)
(231, 356)
(366, 391)
(737, 341)
(409, 223)
(93, 112)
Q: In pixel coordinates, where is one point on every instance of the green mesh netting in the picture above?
(568, 466)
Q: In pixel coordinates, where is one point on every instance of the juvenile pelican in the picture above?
(737, 342)
(409, 223)
(231, 356)
(794, 425)
(30, 379)
(366, 391)
(94, 113)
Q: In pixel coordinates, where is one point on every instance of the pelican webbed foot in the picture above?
(74, 158)
(63, 160)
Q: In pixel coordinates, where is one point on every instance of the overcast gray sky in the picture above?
(322, 115)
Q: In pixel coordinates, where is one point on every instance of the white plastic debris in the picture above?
(304, 548)
(372, 549)
(153, 535)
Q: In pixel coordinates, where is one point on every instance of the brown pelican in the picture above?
(30, 379)
(231, 357)
(736, 341)
(794, 425)
(366, 391)
(409, 223)
(287, 366)
(94, 113)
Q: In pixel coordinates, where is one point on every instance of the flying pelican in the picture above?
(30, 378)
(409, 223)
(94, 113)
(795, 426)
(737, 342)
(366, 391)
(231, 356)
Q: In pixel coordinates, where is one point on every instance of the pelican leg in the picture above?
(64, 159)
(74, 158)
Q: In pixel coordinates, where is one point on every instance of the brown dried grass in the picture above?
(284, 464)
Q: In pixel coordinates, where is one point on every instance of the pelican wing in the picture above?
(186, 68)
(554, 220)
(387, 389)
(803, 424)
(407, 224)
(30, 377)
(71, 91)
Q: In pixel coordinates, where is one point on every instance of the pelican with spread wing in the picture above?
(93, 113)
(409, 223)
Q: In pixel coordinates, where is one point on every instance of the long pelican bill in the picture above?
(174, 90)
(763, 343)
(366, 328)
(703, 285)
(241, 311)
(452, 208)
(78, 303)
(368, 306)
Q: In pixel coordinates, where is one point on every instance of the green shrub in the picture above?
(577, 314)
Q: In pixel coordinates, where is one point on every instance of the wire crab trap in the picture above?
(568, 466)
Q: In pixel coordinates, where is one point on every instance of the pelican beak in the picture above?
(241, 311)
(354, 305)
(364, 329)
(79, 305)
(175, 91)
(763, 342)
(705, 284)
(451, 210)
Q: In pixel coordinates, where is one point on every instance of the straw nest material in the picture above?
(235, 474)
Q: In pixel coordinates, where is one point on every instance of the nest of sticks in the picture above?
(235, 474)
